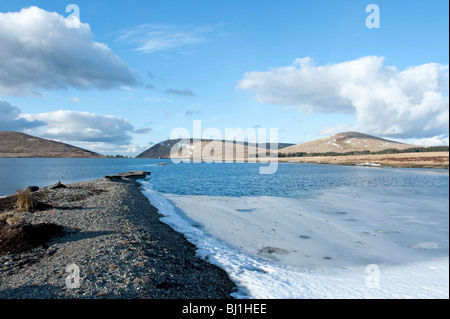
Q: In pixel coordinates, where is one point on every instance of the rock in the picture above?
(58, 185)
(272, 250)
(113, 178)
(31, 189)
(93, 234)
(39, 206)
(134, 174)
(130, 175)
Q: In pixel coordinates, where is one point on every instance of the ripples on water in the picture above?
(215, 179)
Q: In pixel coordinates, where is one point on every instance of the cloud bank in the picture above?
(40, 50)
(83, 126)
(10, 119)
(105, 134)
(411, 103)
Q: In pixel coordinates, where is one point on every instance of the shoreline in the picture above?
(114, 236)
(425, 160)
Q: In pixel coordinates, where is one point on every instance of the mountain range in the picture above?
(16, 144)
(214, 149)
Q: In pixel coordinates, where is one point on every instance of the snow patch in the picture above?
(274, 247)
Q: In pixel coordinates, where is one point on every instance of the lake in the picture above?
(307, 231)
(215, 179)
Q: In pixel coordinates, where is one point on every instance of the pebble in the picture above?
(116, 239)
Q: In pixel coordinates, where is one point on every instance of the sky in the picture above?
(117, 77)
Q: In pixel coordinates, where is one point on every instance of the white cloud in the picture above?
(10, 119)
(412, 103)
(105, 134)
(39, 51)
(438, 140)
(112, 149)
(151, 38)
(83, 127)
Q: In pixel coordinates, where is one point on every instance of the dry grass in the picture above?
(13, 220)
(4, 217)
(412, 160)
(346, 142)
(425, 159)
(25, 201)
(15, 144)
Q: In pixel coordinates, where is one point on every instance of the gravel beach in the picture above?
(112, 244)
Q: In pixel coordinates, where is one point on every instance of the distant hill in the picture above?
(204, 149)
(346, 142)
(15, 144)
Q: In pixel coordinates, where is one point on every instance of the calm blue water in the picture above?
(216, 179)
(19, 173)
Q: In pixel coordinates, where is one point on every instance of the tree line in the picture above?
(367, 152)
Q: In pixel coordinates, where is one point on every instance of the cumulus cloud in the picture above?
(105, 134)
(112, 149)
(438, 140)
(83, 127)
(39, 50)
(10, 119)
(409, 103)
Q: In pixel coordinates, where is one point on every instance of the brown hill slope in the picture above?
(15, 144)
(346, 142)
(204, 149)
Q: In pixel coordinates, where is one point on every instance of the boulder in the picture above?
(31, 189)
(129, 175)
(113, 178)
(58, 185)
(134, 174)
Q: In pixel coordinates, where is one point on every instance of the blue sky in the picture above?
(135, 70)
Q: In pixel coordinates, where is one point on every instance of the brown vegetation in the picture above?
(25, 201)
(21, 238)
(346, 142)
(15, 144)
(16, 235)
(417, 160)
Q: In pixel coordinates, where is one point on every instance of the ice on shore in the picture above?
(342, 243)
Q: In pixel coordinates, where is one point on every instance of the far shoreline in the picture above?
(425, 160)
(422, 160)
